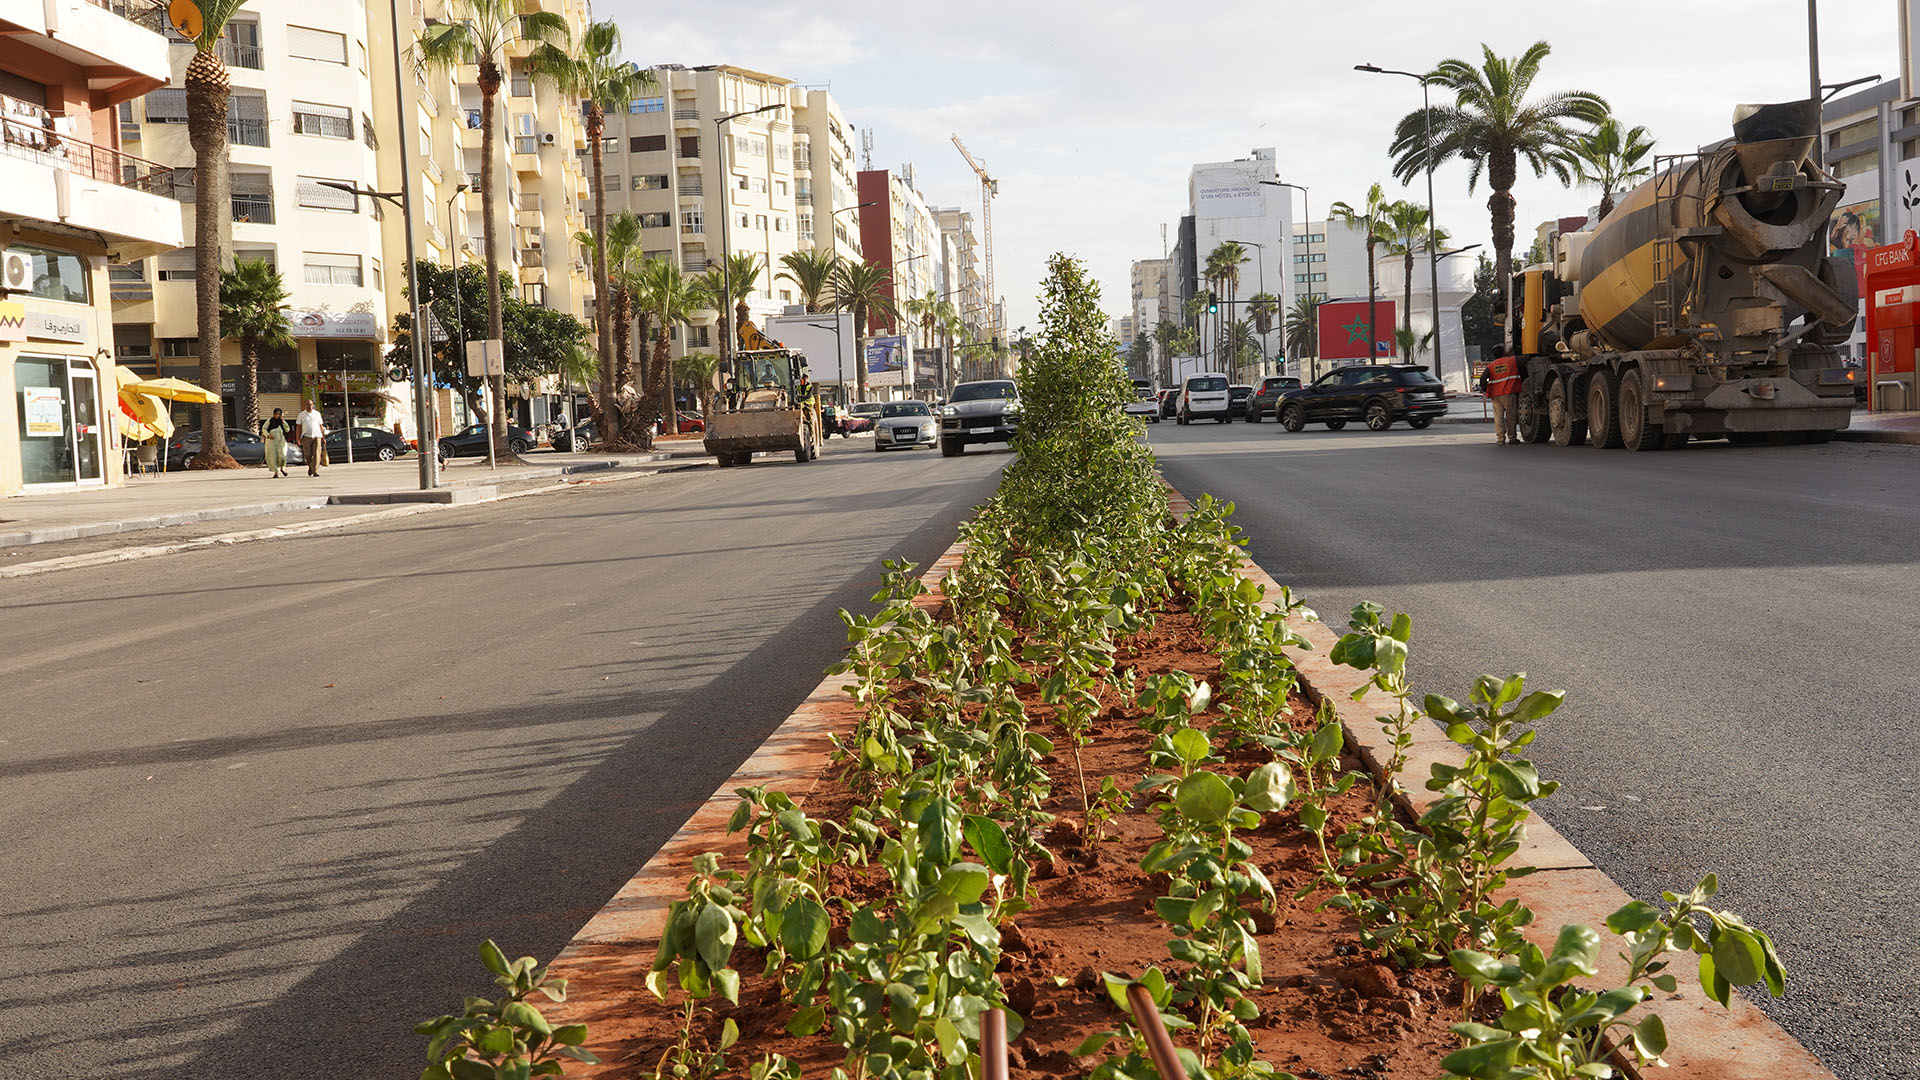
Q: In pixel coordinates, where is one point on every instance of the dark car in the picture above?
(1266, 399)
(577, 437)
(472, 441)
(979, 412)
(1378, 394)
(369, 444)
(246, 447)
(1237, 397)
(1169, 402)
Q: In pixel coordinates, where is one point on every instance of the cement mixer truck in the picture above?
(1704, 306)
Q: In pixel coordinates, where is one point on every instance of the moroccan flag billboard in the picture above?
(1343, 329)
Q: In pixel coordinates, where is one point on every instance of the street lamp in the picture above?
(453, 259)
(839, 354)
(1262, 264)
(1306, 213)
(1433, 243)
(423, 407)
(726, 235)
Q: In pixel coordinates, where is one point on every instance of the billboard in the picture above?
(887, 361)
(926, 367)
(1853, 230)
(1343, 329)
(1226, 192)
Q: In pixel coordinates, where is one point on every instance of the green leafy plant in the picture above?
(507, 1038)
(696, 948)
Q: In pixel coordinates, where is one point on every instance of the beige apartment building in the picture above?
(72, 201)
(313, 106)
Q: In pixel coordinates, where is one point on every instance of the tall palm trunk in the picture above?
(1373, 301)
(602, 302)
(859, 350)
(489, 82)
(1406, 312)
(250, 383)
(1501, 168)
(206, 85)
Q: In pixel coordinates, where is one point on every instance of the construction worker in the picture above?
(804, 392)
(1503, 391)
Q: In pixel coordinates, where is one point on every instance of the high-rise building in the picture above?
(1148, 281)
(73, 202)
(1232, 201)
(900, 233)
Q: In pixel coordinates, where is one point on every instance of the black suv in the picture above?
(984, 411)
(1267, 398)
(1376, 393)
(1238, 395)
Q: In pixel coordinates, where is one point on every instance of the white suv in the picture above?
(1205, 397)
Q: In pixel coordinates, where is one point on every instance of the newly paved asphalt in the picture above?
(261, 804)
(1735, 631)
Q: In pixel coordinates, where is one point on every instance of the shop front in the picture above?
(1890, 279)
(57, 433)
(62, 440)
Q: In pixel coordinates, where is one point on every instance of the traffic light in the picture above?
(1213, 307)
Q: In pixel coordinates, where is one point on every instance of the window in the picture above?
(612, 181)
(693, 222)
(330, 269)
(247, 120)
(641, 144)
(1303, 238)
(180, 346)
(750, 146)
(609, 144)
(167, 106)
(779, 223)
(690, 146)
(699, 337)
(327, 121)
(309, 44)
(1303, 257)
(57, 275)
(662, 220)
(759, 221)
(1857, 132)
(254, 254)
(657, 182)
(743, 221)
(175, 265)
(534, 292)
(647, 105)
(804, 224)
(311, 193)
(374, 266)
(251, 196)
(780, 186)
(526, 144)
(366, 133)
(782, 152)
(759, 186)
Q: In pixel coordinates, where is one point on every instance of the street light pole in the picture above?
(1262, 264)
(459, 317)
(1306, 210)
(1433, 247)
(726, 233)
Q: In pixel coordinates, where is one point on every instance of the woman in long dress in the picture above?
(278, 429)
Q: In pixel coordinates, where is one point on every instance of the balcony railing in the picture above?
(532, 257)
(23, 134)
(256, 208)
(686, 114)
(695, 188)
(234, 54)
(244, 131)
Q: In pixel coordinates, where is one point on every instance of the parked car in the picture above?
(1378, 394)
(905, 424)
(368, 444)
(860, 416)
(1237, 397)
(1204, 397)
(978, 412)
(1169, 402)
(1145, 403)
(1266, 399)
(580, 436)
(472, 440)
(246, 447)
(691, 422)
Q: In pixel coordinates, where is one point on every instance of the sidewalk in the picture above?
(182, 498)
(1883, 427)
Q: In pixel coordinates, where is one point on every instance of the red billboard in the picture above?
(1343, 329)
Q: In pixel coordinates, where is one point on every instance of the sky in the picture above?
(1090, 115)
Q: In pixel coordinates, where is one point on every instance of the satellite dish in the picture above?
(185, 17)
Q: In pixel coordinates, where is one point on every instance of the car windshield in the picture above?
(905, 408)
(1417, 376)
(1205, 384)
(866, 408)
(1241, 391)
(982, 391)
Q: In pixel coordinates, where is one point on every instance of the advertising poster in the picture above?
(1854, 229)
(46, 409)
(887, 361)
(1226, 193)
(926, 367)
(1343, 329)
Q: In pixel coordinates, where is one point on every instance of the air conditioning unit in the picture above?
(548, 138)
(16, 271)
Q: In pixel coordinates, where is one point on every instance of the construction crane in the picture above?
(989, 187)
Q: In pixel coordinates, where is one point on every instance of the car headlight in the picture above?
(948, 410)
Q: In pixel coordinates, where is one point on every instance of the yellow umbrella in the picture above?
(176, 389)
(139, 417)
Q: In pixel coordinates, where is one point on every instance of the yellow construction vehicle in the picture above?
(767, 408)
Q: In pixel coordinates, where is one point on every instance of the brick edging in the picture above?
(617, 945)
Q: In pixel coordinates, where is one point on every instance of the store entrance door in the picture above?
(60, 430)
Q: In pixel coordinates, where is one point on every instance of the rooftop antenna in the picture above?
(866, 148)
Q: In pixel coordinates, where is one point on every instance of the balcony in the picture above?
(46, 176)
(529, 219)
(686, 118)
(692, 190)
(526, 163)
(123, 57)
(433, 170)
(245, 131)
(233, 54)
(532, 257)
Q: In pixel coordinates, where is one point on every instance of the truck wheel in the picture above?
(1566, 430)
(1378, 418)
(1531, 423)
(1635, 432)
(1253, 416)
(1419, 423)
(1293, 418)
(1603, 410)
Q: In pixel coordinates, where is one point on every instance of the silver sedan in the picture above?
(905, 424)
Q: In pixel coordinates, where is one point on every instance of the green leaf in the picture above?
(1478, 966)
(1737, 957)
(570, 1034)
(729, 1033)
(1191, 745)
(1517, 779)
(989, 841)
(866, 927)
(939, 831)
(1269, 788)
(952, 1045)
(1484, 1061)
(903, 1007)
(1092, 1044)
(1204, 797)
(493, 958)
(742, 814)
(1537, 705)
(524, 1016)
(497, 1041)
(727, 981)
(657, 982)
(1717, 988)
(1199, 699)
(1633, 918)
(965, 882)
(807, 1020)
(803, 928)
(1327, 742)
(714, 935)
(1650, 1036)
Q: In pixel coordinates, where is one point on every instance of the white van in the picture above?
(1204, 396)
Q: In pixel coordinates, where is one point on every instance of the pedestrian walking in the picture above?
(278, 430)
(313, 434)
(1503, 392)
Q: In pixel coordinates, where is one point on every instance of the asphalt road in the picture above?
(262, 804)
(1733, 626)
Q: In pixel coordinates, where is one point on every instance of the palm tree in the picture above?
(1301, 325)
(481, 39)
(1493, 126)
(207, 87)
(1166, 335)
(1411, 343)
(1406, 225)
(727, 288)
(952, 326)
(698, 369)
(1223, 268)
(1242, 346)
(1264, 309)
(593, 73)
(1373, 219)
(866, 289)
(812, 273)
(1610, 159)
(670, 299)
(253, 311)
(618, 251)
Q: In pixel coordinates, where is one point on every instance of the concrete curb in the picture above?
(1867, 435)
(55, 533)
(413, 506)
(617, 945)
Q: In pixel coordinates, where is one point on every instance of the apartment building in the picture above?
(1231, 200)
(964, 271)
(899, 232)
(72, 202)
(1329, 260)
(1146, 295)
